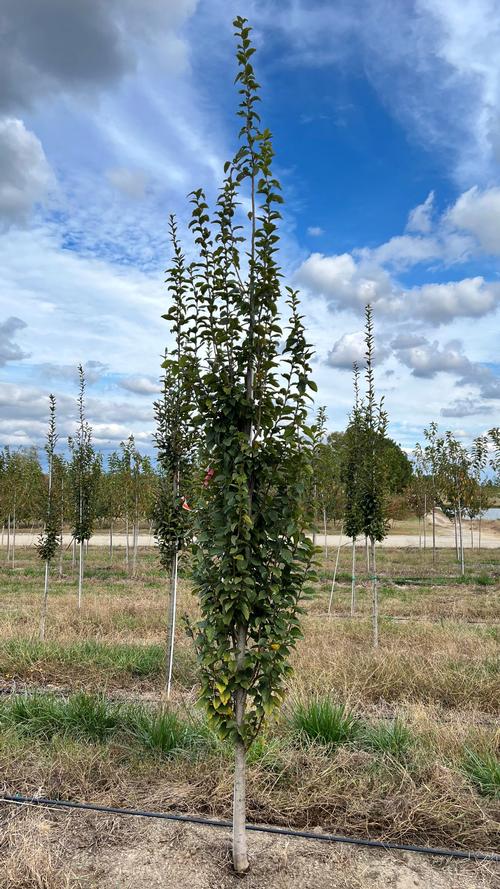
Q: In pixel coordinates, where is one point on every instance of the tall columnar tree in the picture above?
(373, 476)
(352, 459)
(50, 538)
(84, 470)
(252, 557)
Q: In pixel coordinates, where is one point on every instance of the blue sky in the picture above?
(386, 120)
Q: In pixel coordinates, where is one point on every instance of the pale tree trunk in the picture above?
(433, 532)
(8, 537)
(374, 597)
(353, 578)
(240, 851)
(43, 615)
(326, 536)
(479, 534)
(127, 559)
(419, 533)
(425, 521)
(14, 536)
(461, 539)
(80, 576)
(171, 621)
(61, 553)
(367, 555)
(315, 515)
(111, 543)
(471, 533)
(135, 536)
(335, 572)
(455, 525)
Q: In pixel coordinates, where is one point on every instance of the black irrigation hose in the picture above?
(281, 831)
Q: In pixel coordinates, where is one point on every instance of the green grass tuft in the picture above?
(325, 722)
(393, 739)
(484, 770)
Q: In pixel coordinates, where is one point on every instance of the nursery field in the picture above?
(399, 743)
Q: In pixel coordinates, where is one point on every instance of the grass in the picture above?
(324, 722)
(393, 739)
(484, 770)
(104, 731)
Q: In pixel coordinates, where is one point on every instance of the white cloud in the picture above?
(420, 218)
(140, 385)
(351, 348)
(466, 407)
(478, 212)
(427, 359)
(315, 231)
(10, 350)
(25, 175)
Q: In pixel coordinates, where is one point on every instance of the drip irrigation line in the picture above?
(280, 831)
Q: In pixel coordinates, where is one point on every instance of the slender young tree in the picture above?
(352, 458)
(252, 557)
(84, 470)
(50, 538)
(373, 481)
(175, 440)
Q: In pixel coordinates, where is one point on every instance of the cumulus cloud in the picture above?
(10, 350)
(478, 212)
(466, 407)
(79, 46)
(25, 174)
(428, 359)
(140, 385)
(469, 298)
(351, 348)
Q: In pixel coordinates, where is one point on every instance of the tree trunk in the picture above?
(326, 536)
(374, 597)
(135, 537)
(171, 622)
(43, 615)
(111, 543)
(8, 537)
(461, 539)
(14, 537)
(61, 553)
(335, 572)
(455, 525)
(353, 578)
(433, 532)
(425, 521)
(367, 555)
(240, 852)
(471, 533)
(127, 560)
(80, 576)
(419, 533)
(479, 534)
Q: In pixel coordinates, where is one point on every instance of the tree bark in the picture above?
(425, 521)
(374, 597)
(80, 576)
(43, 615)
(171, 622)
(335, 572)
(433, 532)
(353, 578)
(240, 851)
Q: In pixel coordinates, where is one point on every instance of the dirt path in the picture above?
(489, 540)
(100, 852)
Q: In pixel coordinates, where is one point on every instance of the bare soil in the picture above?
(94, 852)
